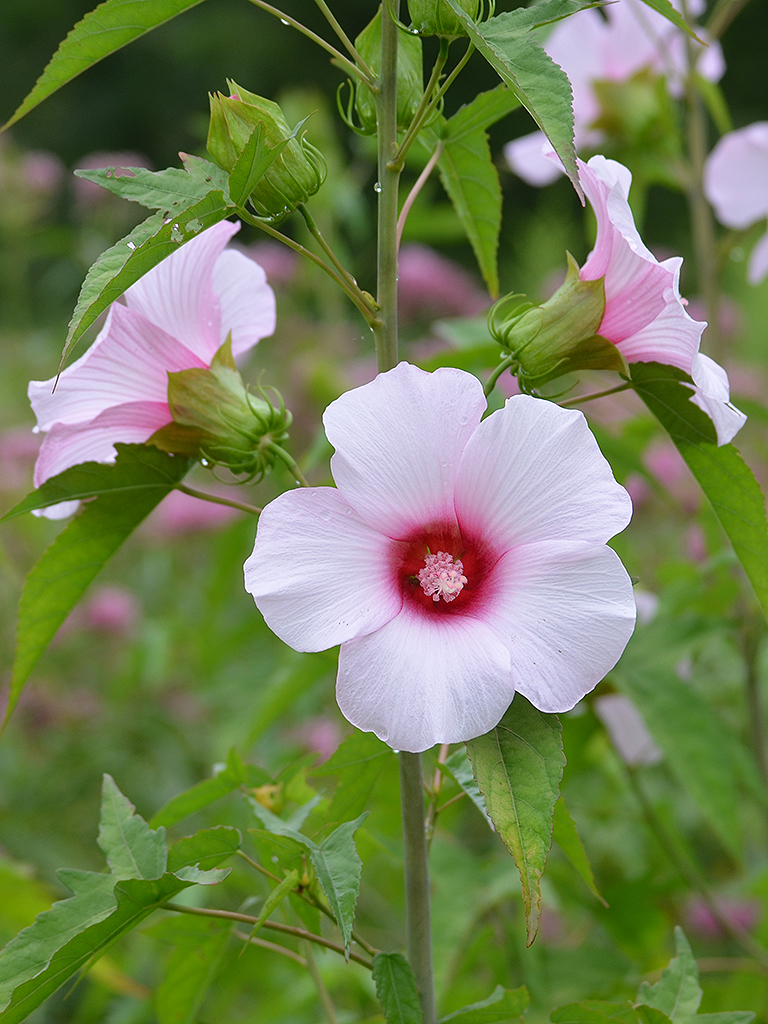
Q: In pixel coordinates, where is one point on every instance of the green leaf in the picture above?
(232, 775)
(338, 868)
(595, 1011)
(358, 762)
(171, 191)
(72, 933)
(275, 898)
(723, 475)
(520, 61)
(567, 837)
(471, 181)
(459, 767)
(132, 849)
(205, 849)
(111, 26)
(485, 110)
(666, 10)
(126, 261)
(501, 1005)
(396, 989)
(200, 945)
(678, 993)
(59, 579)
(518, 767)
(284, 826)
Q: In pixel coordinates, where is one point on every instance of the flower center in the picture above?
(442, 576)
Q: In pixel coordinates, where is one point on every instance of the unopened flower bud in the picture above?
(558, 337)
(410, 77)
(217, 420)
(294, 169)
(436, 18)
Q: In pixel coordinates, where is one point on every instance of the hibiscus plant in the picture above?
(449, 527)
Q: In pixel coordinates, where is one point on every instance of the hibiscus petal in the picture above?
(533, 471)
(567, 612)
(422, 680)
(246, 300)
(736, 176)
(318, 574)
(527, 157)
(68, 445)
(758, 261)
(128, 362)
(178, 294)
(398, 442)
(712, 395)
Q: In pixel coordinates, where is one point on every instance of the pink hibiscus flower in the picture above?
(645, 318)
(610, 45)
(736, 184)
(455, 561)
(174, 318)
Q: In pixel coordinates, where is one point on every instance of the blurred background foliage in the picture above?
(166, 664)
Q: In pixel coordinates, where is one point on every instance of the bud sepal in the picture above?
(559, 336)
(436, 18)
(219, 422)
(410, 77)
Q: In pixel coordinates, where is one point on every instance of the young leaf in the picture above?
(357, 763)
(338, 868)
(191, 970)
(501, 1005)
(396, 989)
(132, 849)
(111, 26)
(541, 85)
(721, 472)
(459, 767)
(129, 259)
(59, 579)
(232, 775)
(284, 826)
(485, 110)
(470, 178)
(567, 837)
(275, 898)
(678, 993)
(204, 850)
(518, 767)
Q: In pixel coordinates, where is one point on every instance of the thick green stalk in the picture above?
(385, 331)
(416, 855)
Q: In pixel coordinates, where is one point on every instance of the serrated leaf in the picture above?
(126, 261)
(190, 971)
(678, 993)
(357, 763)
(132, 848)
(233, 775)
(518, 767)
(111, 26)
(74, 932)
(471, 181)
(722, 474)
(396, 989)
(172, 190)
(501, 1005)
(485, 110)
(338, 868)
(541, 85)
(666, 10)
(566, 835)
(284, 826)
(204, 850)
(59, 579)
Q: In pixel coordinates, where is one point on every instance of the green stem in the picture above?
(355, 293)
(385, 331)
(277, 926)
(505, 364)
(425, 107)
(314, 230)
(348, 66)
(350, 47)
(411, 197)
(597, 394)
(286, 459)
(722, 16)
(322, 991)
(417, 901)
(274, 946)
(216, 500)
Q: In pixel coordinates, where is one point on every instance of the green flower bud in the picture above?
(410, 76)
(558, 337)
(287, 170)
(436, 18)
(216, 419)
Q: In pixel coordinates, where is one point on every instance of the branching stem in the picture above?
(216, 499)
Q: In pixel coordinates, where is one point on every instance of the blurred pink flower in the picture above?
(627, 729)
(612, 44)
(112, 609)
(736, 184)
(666, 463)
(88, 193)
(429, 286)
(277, 260)
(174, 318)
(180, 513)
(645, 318)
(455, 561)
(740, 914)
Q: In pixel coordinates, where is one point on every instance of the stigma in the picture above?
(442, 577)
